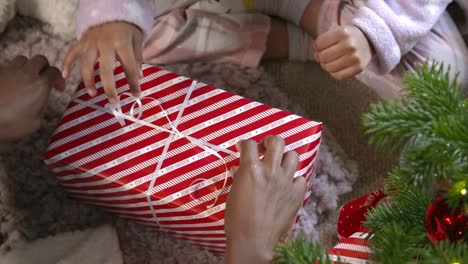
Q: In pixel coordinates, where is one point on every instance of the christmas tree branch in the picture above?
(301, 251)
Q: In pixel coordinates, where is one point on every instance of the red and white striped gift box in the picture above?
(352, 250)
(124, 163)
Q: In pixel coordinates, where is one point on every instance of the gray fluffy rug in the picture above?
(33, 205)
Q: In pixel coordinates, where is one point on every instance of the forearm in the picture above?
(393, 29)
(93, 13)
(310, 18)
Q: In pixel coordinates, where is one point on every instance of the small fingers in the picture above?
(341, 63)
(330, 54)
(326, 40)
(106, 64)
(138, 50)
(72, 55)
(347, 73)
(88, 60)
(129, 63)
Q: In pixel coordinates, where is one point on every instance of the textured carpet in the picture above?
(33, 205)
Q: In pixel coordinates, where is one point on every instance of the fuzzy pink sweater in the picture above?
(392, 26)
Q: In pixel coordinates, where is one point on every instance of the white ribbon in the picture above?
(116, 110)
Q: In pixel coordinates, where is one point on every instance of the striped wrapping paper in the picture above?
(352, 250)
(160, 179)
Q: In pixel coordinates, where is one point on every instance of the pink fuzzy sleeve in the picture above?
(395, 26)
(95, 12)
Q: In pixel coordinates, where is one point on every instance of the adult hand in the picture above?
(263, 201)
(25, 88)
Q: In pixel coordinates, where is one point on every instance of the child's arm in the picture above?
(114, 29)
(96, 12)
(343, 51)
(393, 27)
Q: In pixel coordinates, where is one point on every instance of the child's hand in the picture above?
(111, 41)
(344, 52)
(24, 89)
(263, 201)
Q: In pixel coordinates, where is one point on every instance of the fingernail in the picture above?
(136, 95)
(90, 92)
(112, 100)
(64, 74)
(140, 73)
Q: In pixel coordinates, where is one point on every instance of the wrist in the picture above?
(247, 251)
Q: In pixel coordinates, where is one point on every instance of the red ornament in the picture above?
(445, 223)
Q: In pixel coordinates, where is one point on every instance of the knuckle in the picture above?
(87, 73)
(345, 32)
(251, 166)
(248, 142)
(274, 141)
(121, 43)
(354, 58)
(294, 156)
(349, 45)
(86, 44)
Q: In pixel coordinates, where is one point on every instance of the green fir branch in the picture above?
(391, 124)
(301, 251)
(430, 126)
(433, 90)
(444, 253)
(429, 95)
(396, 243)
(404, 206)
